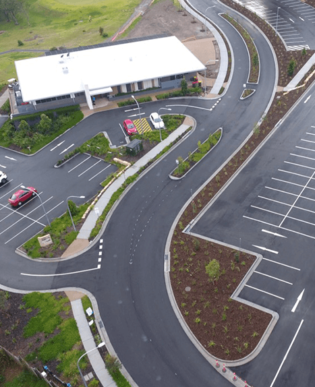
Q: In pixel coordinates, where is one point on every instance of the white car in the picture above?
(157, 121)
(3, 178)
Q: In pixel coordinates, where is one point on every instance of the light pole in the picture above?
(22, 186)
(79, 197)
(160, 126)
(99, 346)
(138, 108)
(277, 20)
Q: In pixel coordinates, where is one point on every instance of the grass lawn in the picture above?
(55, 23)
(7, 68)
(26, 378)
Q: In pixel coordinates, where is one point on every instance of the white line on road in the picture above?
(10, 158)
(273, 233)
(282, 264)
(291, 20)
(65, 150)
(2, 166)
(265, 249)
(270, 276)
(275, 201)
(99, 172)
(189, 106)
(89, 168)
(60, 274)
(135, 115)
(286, 353)
(12, 190)
(130, 110)
(122, 130)
(307, 98)
(80, 164)
(293, 173)
(301, 18)
(263, 291)
(264, 209)
(57, 145)
(312, 134)
(297, 302)
(308, 149)
(303, 157)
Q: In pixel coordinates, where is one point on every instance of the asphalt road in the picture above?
(129, 286)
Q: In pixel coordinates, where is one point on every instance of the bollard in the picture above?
(223, 368)
(234, 377)
(217, 364)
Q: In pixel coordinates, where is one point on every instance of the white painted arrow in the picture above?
(297, 301)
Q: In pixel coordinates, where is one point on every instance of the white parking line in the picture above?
(12, 190)
(65, 150)
(80, 163)
(307, 98)
(302, 139)
(99, 172)
(289, 182)
(189, 106)
(300, 165)
(293, 173)
(89, 168)
(307, 149)
(273, 233)
(282, 264)
(122, 130)
(312, 134)
(279, 190)
(278, 279)
(47, 212)
(264, 209)
(263, 291)
(285, 356)
(2, 166)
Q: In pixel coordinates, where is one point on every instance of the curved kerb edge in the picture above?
(181, 177)
(242, 98)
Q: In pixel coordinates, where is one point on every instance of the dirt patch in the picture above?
(310, 2)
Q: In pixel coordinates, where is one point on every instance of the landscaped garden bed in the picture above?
(253, 53)
(184, 166)
(247, 93)
(28, 134)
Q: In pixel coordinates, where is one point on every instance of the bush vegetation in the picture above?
(132, 102)
(180, 93)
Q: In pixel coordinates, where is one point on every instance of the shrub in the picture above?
(6, 107)
(291, 67)
(105, 35)
(112, 363)
(53, 49)
(101, 30)
(183, 85)
(73, 207)
(20, 43)
(213, 270)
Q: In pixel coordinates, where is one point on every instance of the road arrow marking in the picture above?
(264, 248)
(297, 301)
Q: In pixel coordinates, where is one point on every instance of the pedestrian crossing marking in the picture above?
(142, 125)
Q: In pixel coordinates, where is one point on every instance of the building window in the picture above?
(128, 86)
(118, 89)
(140, 85)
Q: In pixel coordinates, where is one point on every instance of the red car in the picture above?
(21, 196)
(130, 127)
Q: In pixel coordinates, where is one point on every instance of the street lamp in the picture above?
(277, 20)
(160, 126)
(79, 197)
(99, 346)
(138, 108)
(22, 186)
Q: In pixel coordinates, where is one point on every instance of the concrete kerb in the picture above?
(299, 76)
(273, 54)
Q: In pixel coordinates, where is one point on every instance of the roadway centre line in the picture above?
(282, 264)
(80, 164)
(263, 291)
(99, 172)
(285, 356)
(60, 274)
(89, 168)
(25, 216)
(33, 222)
(278, 279)
(297, 199)
(13, 189)
(273, 233)
(190, 106)
(57, 145)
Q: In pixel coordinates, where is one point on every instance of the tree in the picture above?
(73, 207)
(45, 123)
(213, 270)
(10, 8)
(112, 363)
(291, 67)
(183, 85)
(101, 30)
(24, 126)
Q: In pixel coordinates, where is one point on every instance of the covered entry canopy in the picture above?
(105, 90)
(110, 65)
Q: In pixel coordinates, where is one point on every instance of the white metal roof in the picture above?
(103, 67)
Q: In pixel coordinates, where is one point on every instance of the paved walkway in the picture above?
(299, 76)
(88, 342)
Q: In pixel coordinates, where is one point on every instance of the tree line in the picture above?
(9, 9)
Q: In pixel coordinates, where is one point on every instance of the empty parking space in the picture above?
(284, 25)
(142, 125)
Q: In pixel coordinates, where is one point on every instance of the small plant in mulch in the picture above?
(247, 92)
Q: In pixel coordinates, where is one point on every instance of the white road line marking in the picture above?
(290, 182)
(300, 165)
(65, 150)
(282, 264)
(57, 145)
(266, 210)
(291, 20)
(101, 240)
(278, 279)
(308, 149)
(101, 247)
(303, 139)
(135, 115)
(10, 158)
(297, 302)
(100, 253)
(123, 129)
(293, 173)
(263, 291)
(301, 18)
(89, 168)
(99, 173)
(2, 166)
(80, 164)
(273, 233)
(131, 110)
(273, 200)
(279, 190)
(47, 212)
(189, 106)
(297, 199)
(286, 353)
(265, 249)
(312, 134)
(308, 96)
(60, 274)
(100, 260)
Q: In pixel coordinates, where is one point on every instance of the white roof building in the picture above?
(96, 70)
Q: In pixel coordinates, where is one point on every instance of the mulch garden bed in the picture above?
(228, 329)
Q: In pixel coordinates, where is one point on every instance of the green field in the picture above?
(67, 23)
